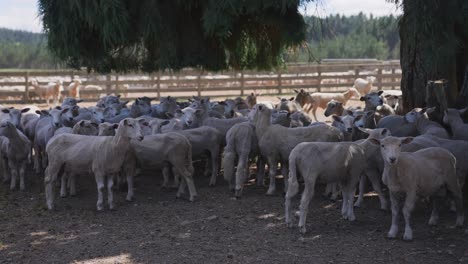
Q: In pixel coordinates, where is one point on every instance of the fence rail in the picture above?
(328, 77)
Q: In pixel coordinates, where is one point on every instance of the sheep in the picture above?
(203, 140)
(94, 113)
(276, 142)
(321, 99)
(372, 100)
(345, 124)
(334, 108)
(303, 98)
(424, 172)
(299, 119)
(94, 88)
(394, 99)
(236, 106)
(400, 126)
(384, 110)
(170, 150)
(251, 100)
(453, 119)
(200, 117)
(364, 86)
(15, 149)
(337, 162)
(102, 156)
(85, 127)
(282, 118)
(44, 131)
(53, 90)
(141, 106)
(107, 100)
(63, 130)
(14, 116)
(424, 126)
(165, 109)
(241, 144)
(288, 105)
(74, 88)
(71, 101)
(107, 129)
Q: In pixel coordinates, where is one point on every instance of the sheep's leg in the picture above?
(37, 160)
(456, 192)
(334, 191)
(166, 172)
(272, 167)
(435, 210)
(374, 177)
(208, 167)
(260, 171)
(348, 208)
(100, 188)
(63, 185)
(304, 206)
(22, 170)
(72, 181)
(130, 193)
(241, 173)
(214, 167)
(14, 174)
(176, 177)
(288, 210)
(110, 191)
(313, 112)
(181, 189)
(395, 213)
(49, 178)
(285, 173)
(407, 209)
(362, 184)
(6, 171)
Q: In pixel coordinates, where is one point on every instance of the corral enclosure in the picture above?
(329, 76)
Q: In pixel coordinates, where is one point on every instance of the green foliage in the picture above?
(21, 49)
(357, 36)
(150, 35)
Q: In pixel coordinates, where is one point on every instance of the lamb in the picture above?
(334, 108)
(364, 86)
(203, 140)
(44, 131)
(276, 142)
(321, 99)
(251, 100)
(102, 156)
(288, 105)
(74, 88)
(341, 162)
(53, 90)
(424, 172)
(170, 150)
(15, 149)
(453, 119)
(345, 124)
(241, 145)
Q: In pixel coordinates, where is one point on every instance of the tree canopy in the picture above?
(150, 35)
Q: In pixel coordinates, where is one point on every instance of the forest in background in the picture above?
(335, 36)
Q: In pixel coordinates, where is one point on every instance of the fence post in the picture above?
(26, 87)
(319, 79)
(158, 85)
(108, 86)
(199, 83)
(379, 79)
(280, 91)
(393, 78)
(117, 87)
(242, 83)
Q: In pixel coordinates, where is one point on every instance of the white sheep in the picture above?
(52, 90)
(100, 155)
(364, 86)
(337, 162)
(424, 172)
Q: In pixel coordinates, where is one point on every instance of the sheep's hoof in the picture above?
(129, 199)
(392, 233)
(112, 207)
(302, 229)
(351, 217)
(433, 221)
(50, 207)
(297, 213)
(238, 194)
(212, 183)
(289, 224)
(22, 188)
(270, 192)
(100, 208)
(62, 195)
(192, 198)
(358, 203)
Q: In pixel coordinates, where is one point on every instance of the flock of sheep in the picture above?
(410, 154)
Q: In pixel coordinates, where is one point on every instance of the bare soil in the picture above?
(158, 228)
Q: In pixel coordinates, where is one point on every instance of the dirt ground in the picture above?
(158, 228)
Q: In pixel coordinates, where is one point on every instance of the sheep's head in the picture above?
(14, 115)
(130, 128)
(98, 114)
(56, 116)
(333, 107)
(390, 147)
(6, 128)
(373, 99)
(107, 129)
(344, 123)
(452, 115)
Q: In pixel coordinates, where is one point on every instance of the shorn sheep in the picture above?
(364, 86)
(425, 172)
(99, 155)
(337, 162)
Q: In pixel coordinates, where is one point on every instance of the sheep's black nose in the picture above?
(56, 124)
(102, 120)
(392, 160)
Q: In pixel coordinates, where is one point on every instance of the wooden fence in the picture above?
(327, 77)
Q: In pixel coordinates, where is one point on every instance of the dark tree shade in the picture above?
(434, 45)
(150, 35)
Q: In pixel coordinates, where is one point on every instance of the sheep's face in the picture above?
(450, 114)
(146, 127)
(6, 128)
(373, 99)
(56, 116)
(14, 115)
(390, 147)
(86, 127)
(332, 108)
(98, 114)
(344, 123)
(301, 97)
(131, 129)
(189, 115)
(169, 105)
(69, 101)
(107, 129)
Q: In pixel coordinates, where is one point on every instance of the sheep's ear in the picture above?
(380, 92)
(461, 111)
(25, 110)
(6, 111)
(362, 98)
(169, 115)
(365, 130)
(336, 118)
(165, 122)
(115, 126)
(58, 108)
(374, 141)
(260, 107)
(406, 140)
(387, 95)
(296, 91)
(384, 132)
(423, 110)
(65, 110)
(124, 103)
(291, 99)
(82, 123)
(358, 117)
(38, 112)
(430, 110)
(349, 112)
(95, 125)
(125, 122)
